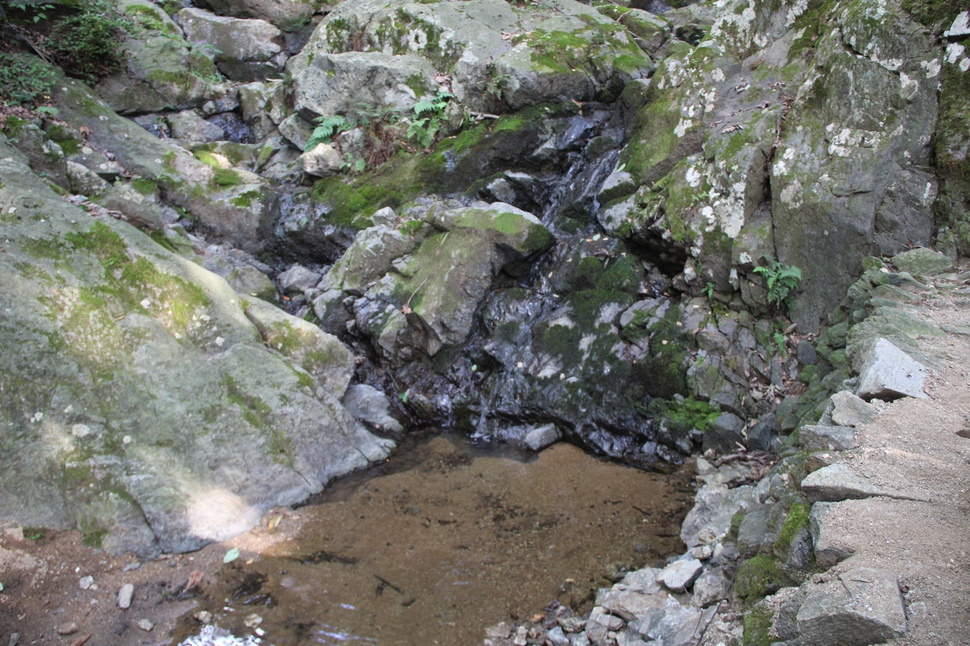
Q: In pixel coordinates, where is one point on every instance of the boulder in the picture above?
(850, 410)
(540, 437)
(368, 404)
(495, 55)
(138, 402)
(863, 606)
(288, 15)
(189, 127)
(710, 587)
(679, 576)
(888, 373)
(162, 70)
(324, 160)
(714, 506)
(825, 521)
(922, 262)
(233, 39)
(828, 438)
(840, 482)
(297, 280)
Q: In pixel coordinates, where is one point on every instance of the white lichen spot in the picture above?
(744, 258)
(693, 177)
(717, 75)
(791, 194)
(710, 98)
(908, 88)
(960, 26)
(586, 342)
(564, 321)
(795, 11)
(708, 214)
(964, 64)
(80, 430)
(954, 52)
(931, 68)
(929, 194)
(683, 127)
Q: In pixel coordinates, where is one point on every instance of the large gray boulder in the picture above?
(138, 402)
(162, 70)
(764, 90)
(493, 55)
(863, 606)
(288, 15)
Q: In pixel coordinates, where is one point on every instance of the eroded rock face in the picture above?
(814, 149)
(141, 404)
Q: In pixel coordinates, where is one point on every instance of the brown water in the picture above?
(458, 541)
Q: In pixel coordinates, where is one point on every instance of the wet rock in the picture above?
(370, 405)
(888, 373)
(541, 436)
(125, 595)
(680, 575)
(850, 410)
(864, 606)
(828, 438)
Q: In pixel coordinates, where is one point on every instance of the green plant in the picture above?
(708, 291)
(428, 114)
(31, 10)
(88, 45)
(24, 79)
(327, 128)
(780, 280)
(780, 343)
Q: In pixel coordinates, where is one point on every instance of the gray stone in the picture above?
(189, 127)
(864, 606)
(824, 523)
(714, 507)
(679, 625)
(600, 624)
(125, 595)
(828, 438)
(86, 582)
(296, 130)
(710, 587)
(759, 528)
(84, 181)
(288, 15)
(680, 575)
(213, 418)
(637, 594)
(298, 279)
(324, 160)
(541, 436)
(839, 482)
(368, 404)
(163, 72)
(234, 39)
(146, 625)
(556, 637)
(850, 410)
(889, 373)
(922, 261)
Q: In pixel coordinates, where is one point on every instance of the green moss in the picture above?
(225, 177)
(254, 410)
(94, 537)
(63, 138)
(757, 628)
(144, 186)
(245, 199)
(938, 15)
(682, 416)
(758, 577)
(104, 243)
(35, 534)
(796, 521)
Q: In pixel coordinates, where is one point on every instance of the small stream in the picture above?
(446, 539)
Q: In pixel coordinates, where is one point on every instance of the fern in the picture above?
(780, 280)
(327, 128)
(428, 114)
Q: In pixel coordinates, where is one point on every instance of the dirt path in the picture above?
(922, 446)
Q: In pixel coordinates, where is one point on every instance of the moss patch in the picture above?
(758, 577)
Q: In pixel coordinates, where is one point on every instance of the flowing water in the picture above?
(446, 539)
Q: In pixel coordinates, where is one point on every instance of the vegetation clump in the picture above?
(88, 45)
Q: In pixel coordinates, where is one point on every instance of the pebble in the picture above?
(131, 566)
(68, 628)
(86, 582)
(124, 596)
(145, 625)
(14, 639)
(203, 616)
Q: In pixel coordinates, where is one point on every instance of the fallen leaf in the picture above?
(194, 580)
(231, 555)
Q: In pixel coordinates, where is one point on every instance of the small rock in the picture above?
(15, 533)
(297, 279)
(86, 582)
(710, 587)
(679, 575)
(124, 596)
(541, 436)
(68, 628)
(850, 410)
(14, 639)
(131, 566)
(889, 373)
(203, 616)
(145, 625)
(828, 438)
(322, 161)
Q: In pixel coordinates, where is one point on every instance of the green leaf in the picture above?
(231, 555)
